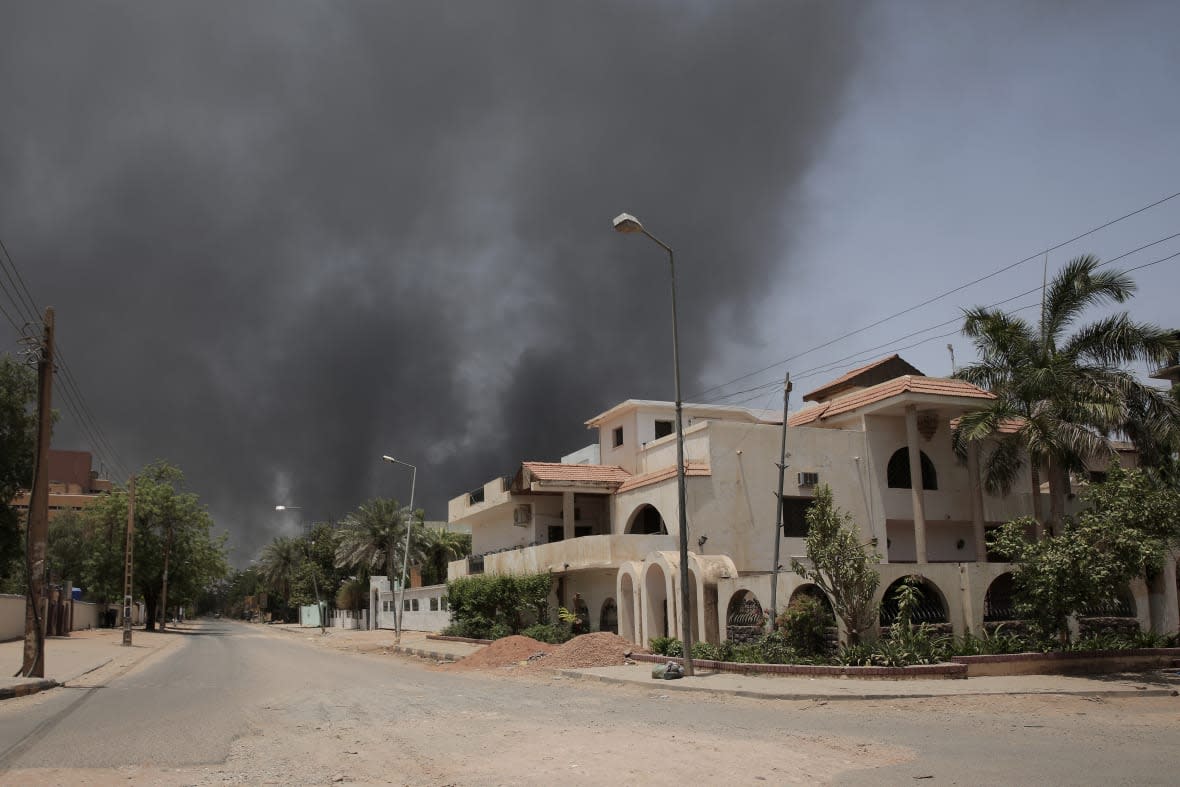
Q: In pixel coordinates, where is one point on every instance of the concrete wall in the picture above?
(12, 617)
(86, 615)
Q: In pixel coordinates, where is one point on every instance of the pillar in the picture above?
(911, 437)
(567, 514)
(976, 480)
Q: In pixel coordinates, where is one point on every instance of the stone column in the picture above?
(976, 480)
(911, 436)
(1165, 612)
(567, 514)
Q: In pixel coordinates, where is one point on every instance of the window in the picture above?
(433, 604)
(795, 516)
(444, 603)
(583, 530)
(618, 436)
(898, 471)
(556, 533)
(414, 605)
(405, 605)
(663, 429)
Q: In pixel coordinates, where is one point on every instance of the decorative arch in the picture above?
(898, 471)
(999, 602)
(608, 617)
(932, 606)
(646, 520)
(744, 610)
(658, 614)
(630, 612)
(811, 590)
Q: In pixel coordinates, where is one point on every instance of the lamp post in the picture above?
(401, 591)
(319, 605)
(626, 223)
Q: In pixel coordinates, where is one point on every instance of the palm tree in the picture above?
(1059, 398)
(440, 547)
(278, 565)
(374, 535)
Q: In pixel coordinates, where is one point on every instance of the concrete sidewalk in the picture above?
(1152, 684)
(69, 658)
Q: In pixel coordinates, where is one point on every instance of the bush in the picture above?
(493, 605)
(707, 651)
(553, 633)
(667, 646)
(804, 624)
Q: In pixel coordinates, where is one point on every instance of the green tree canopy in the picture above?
(18, 397)
(1065, 393)
(840, 564)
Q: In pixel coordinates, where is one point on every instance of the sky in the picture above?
(282, 239)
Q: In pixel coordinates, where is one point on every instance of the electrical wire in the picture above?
(938, 297)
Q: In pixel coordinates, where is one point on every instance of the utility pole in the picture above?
(38, 526)
(127, 557)
(164, 592)
(778, 526)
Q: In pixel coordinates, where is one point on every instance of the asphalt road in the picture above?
(232, 703)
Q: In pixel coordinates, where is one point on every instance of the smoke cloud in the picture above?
(285, 238)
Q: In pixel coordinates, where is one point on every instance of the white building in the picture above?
(603, 521)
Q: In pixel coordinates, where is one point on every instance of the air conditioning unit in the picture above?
(808, 479)
(522, 515)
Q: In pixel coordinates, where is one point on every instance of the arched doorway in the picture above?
(646, 521)
(608, 618)
(656, 613)
(813, 592)
(931, 607)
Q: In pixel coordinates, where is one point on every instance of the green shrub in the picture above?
(553, 633)
(489, 606)
(667, 646)
(709, 652)
(805, 623)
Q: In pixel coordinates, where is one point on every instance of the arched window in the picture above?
(898, 472)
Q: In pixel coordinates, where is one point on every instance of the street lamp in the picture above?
(319, 605)
(628, 224)
(401, 591)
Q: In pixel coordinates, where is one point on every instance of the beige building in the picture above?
(73, 483)
(603, 521)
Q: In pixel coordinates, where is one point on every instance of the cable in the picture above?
(892, 343)
(939, 296)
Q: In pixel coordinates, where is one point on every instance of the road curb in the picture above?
(673, 685)
(426, 654)
(27, 688)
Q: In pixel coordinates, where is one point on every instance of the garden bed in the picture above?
(1078, 662)
(950, 670)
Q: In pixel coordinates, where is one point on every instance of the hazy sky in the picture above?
(284, 238)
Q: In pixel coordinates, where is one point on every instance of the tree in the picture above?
(1058, 396)
(374, 536)
(840, 566)
(279, 566)
(18, 420)
(440, 547)
(1125, 531)
(172, 528)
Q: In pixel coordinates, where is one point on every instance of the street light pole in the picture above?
(627, 223)
(401, 593)
(315, 586)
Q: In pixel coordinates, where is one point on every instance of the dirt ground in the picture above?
(505, 719)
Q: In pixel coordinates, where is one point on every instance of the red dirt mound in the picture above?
(505, 652)
(600, 649)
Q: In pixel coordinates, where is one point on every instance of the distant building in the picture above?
(73, 483)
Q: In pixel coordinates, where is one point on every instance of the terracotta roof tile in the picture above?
(901, 367)
(691, 469)
(556, 471)
(934, 386)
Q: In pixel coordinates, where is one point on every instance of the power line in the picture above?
(928, 301)
(892, 344)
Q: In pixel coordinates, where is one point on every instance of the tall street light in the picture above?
(401, 593)
(626, 223)
(319, 605)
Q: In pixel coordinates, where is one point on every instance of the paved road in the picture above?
(230, 703)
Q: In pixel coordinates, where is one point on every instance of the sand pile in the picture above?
(600, 649)
(505, 652)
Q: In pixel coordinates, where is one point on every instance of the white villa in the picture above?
(602, 521)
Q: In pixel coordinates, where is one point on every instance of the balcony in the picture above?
(573, 554)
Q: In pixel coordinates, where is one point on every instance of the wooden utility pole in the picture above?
(38, 532)
(127, 557)
(164, 592)
(778, 524)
